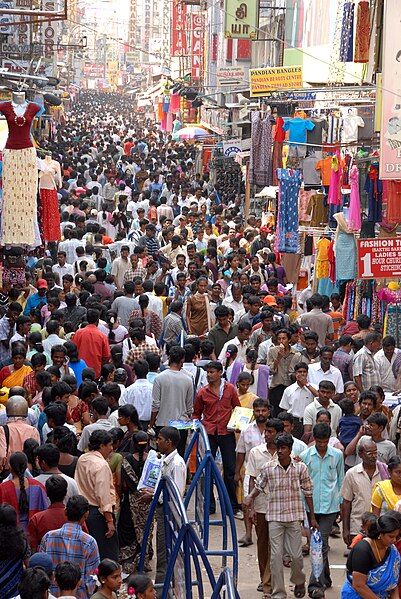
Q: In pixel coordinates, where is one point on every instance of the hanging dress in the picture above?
(322, 258)
(49, 180)
(287, 219)
(374, 189)
(347, 33)
(354, 215)
(362, 32)
(20, 177)
(261, 150)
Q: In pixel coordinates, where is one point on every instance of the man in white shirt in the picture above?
(139, 394)
(52, 329)
(298, 396)
(120, 266)
(323, 402)
(325, 371)
(241, 341)
(173, 466)
(385, 359)
(48, 458)
(100, 409)
(62, 268)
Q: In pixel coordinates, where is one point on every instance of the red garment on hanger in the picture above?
(392, 194)
(332, 262)
(279, 134)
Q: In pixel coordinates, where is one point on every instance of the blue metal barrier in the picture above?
(182, 544)
(207, 474)
(225, 586)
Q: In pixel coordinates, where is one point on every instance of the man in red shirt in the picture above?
(52, 518)
(93, 346)
(215, 403)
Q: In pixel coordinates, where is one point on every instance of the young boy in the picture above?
(349, 423)
(67, 576)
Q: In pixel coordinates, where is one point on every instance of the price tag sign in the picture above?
(379, 258)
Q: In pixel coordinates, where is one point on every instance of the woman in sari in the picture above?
(198, 311)
(14, 374)
(373, 565)
(134, 507)
(387, 493)
(153, 323)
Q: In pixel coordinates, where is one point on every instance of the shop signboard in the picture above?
(178, 26)
(241, 19)
(267, 80)
(230, 76)
(379, 258)
(390, 134)
(232, 147)
(197, 44)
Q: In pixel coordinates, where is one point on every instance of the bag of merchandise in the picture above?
(152, 471)
(316, 553)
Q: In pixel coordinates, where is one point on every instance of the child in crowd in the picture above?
(349, 424)
(139, 586)
(109, 576)
(367, 520)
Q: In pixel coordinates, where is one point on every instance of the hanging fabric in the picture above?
(354, 215)
(261, 150)
(362, 32)
(287, 215)
(347, 33)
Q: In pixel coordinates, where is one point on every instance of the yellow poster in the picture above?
(265, 81)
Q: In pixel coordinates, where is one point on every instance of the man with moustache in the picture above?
(253, 435)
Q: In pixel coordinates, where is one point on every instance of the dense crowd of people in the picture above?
(161, 302)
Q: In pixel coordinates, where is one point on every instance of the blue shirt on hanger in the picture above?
(298, 129)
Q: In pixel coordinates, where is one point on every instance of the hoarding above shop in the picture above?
(241, 19)
(267, 80)
(390, 134)
(379, 258)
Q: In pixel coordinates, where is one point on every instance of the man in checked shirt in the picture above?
(285, 482)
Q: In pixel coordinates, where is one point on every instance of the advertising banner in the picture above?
(230, 76)
(241, 19)
(197, 44)
(265, 81)
(379, 258)
(390, 134)
(178, 22)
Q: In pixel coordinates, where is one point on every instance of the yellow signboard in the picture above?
(265, 81)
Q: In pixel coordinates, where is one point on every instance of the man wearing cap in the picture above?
(38, 299)
(17, 430)
(261, 242)
(44, 561)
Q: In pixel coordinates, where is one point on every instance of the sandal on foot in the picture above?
(300, 591)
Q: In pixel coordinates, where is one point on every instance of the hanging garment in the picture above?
(335, 179)
(261, 150)
(319, 212)
(322, 258)
(50, 215)
(393, 322)
(392, 193)
(354, 215)
(303, 206)
(345, 251)
(347, 33)
(20, 177)
(277, 160)
(362, 32)
(374, 190)
(287, 222)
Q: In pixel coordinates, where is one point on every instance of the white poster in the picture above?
(232, 147)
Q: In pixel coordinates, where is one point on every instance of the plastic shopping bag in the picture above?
(151, 473)
(316, 553)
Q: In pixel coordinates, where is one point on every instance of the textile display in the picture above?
(20, 187)
(50, 215)
(347, 33)
(362, 32)
(261, 150)
(392, 196)
(287, 221)
(354, 216)
(374, 189)
(361, 298)
(346, 260)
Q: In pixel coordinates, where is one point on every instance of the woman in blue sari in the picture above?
(373, 565)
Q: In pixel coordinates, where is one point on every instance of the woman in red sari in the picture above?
(26, 495)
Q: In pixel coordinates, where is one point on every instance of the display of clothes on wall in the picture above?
(355, 31)
(391, 299)
(361, 298)
(287, 233)
(261, 173)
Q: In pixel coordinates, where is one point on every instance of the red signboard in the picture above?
(379, 258)
(178, 24)
(197, 44)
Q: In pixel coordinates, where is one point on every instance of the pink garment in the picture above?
(175, 102)
(390, 297)
(335, 189)
(354, 217)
